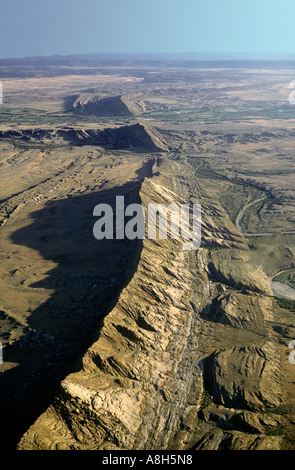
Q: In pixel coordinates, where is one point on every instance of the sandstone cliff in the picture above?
(118, 105)
(124, 137)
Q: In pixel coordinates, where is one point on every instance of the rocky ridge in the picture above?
(123, 137)
(187, 358)
(118, 105)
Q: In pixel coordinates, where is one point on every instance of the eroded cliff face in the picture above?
(187, 358)
(123, 137)
(118, 105)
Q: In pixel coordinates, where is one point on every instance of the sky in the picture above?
(43, 27)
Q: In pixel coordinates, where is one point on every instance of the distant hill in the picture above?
(124, 137)
(119, 105)
(164, 58)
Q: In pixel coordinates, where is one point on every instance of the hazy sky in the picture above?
(41, 27)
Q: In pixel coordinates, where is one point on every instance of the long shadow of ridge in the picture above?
(86, 282)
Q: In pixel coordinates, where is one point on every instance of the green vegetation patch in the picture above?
(222, 113)
(287, 277)
(36, 117)
(286, 303)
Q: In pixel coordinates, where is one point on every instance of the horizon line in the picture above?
(168, 55)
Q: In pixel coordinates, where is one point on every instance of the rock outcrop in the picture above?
(119, 105)
(135, 136)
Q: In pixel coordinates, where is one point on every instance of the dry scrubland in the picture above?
(119, 344)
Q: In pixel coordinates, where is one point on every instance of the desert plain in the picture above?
(120, 344)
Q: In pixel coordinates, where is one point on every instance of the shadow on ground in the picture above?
(85, 285)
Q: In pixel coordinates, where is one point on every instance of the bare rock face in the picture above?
(256, 383)
(166, 371)
(119, 105)
(231, 418)
(236, 440)
(123, 137)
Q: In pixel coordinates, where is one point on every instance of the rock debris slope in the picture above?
(186, 358)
